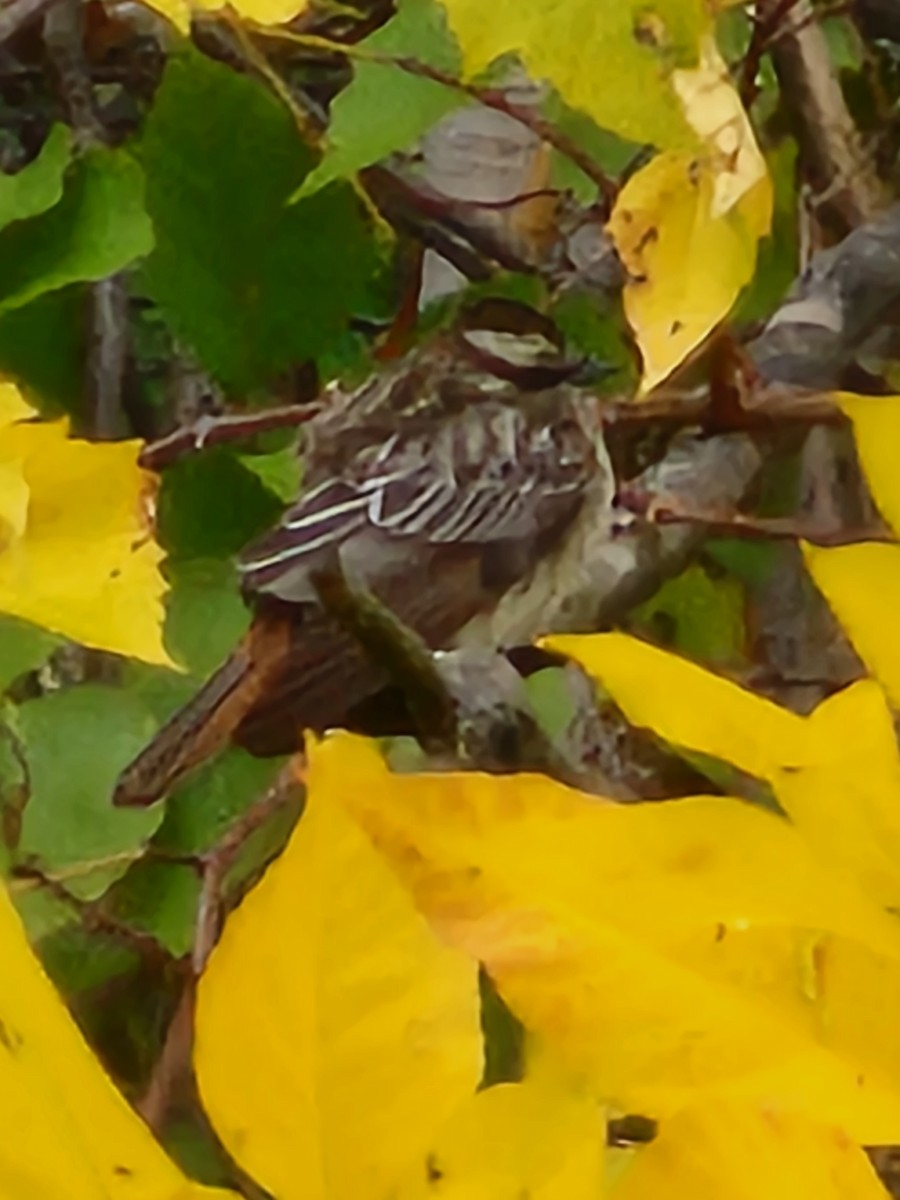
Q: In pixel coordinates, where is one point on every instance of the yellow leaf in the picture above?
(687, 705)
(687, 261)
(266, 12)
(515, 1140)
(668, 951)
(715, 112)
(734, 1152)
(335, 1034)
(68, 1134)
(862, 586)
(687, 225)
(13, 502)
(876, 429)
(836, 773)
(845, 798)
(12, 405)
(76, 554)
(613, 60)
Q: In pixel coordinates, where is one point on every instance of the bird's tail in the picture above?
(208, 722)
(196, 732)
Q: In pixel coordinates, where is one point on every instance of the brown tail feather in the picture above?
(208, 722)
(294, 670)
(194, 733)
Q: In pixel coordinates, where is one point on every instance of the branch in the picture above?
(217, 431)
(16, 14)
(402, 654)
(467, 706)
(839, 302)
(850, 190)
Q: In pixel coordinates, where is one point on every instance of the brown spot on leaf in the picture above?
(648, 237)
(721, 930)
(433, 1170)
(123, 1172)
(649, 29)
(675, 327)
(10, 1038)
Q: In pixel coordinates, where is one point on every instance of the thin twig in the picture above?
(108, 340)
(173, 1065)
(285, 790)
(764, 26)
(777, 528)
(216, 431)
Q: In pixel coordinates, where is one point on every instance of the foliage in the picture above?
(431, 980)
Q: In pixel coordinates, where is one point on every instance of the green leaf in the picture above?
(777, 262)
(43, 347)
(43, 913)
(279, 471)
(699, 616)
(750, 562)
(23, 647)
(78, 960)
(210, 506)
(251, 283)
(76, 743)
(387, 108)
(38, 186)
(209, 801)
(98, 227)
(205, 615)
(159, 899)
(552, 700)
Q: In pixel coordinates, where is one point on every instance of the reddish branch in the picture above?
(215, 431)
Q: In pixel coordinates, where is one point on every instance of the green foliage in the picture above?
(248, 281)
(280, 471)
(203, 808)
(205, 614)
(697, 615)
(211, 505)
(78, 959)
(256, 267)
(38, 186)
(98, 227)
(23, 647)
(159, 899)
(42, 347)
(386, 108)
(75, 744)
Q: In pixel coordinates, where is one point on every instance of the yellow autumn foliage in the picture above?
(535, 1138)
(68, 1133)
(670, 953)
(729, 1152)
(614, 61)
(861, 582)
(335, 1033)
(687, 225)
(77, 554)
(266, 12)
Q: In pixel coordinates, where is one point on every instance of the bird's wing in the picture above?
(488, 476)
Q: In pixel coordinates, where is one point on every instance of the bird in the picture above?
(458, 485)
